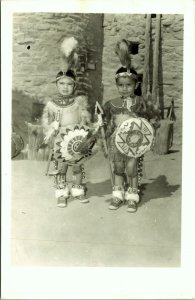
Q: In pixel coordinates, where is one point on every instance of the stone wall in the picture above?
(36, 59)
(132, 28)
(36, 56)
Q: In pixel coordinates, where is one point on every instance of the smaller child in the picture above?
(63, 110)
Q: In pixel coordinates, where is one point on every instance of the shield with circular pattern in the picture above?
(68, 141)
(134, 137)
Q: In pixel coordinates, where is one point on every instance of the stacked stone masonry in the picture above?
(36, 51)
(36, 57)
(132, 28)
(36, 60)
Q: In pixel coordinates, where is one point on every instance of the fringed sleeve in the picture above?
(84, 113)
(45, 118)
(108, 122)
(48, 116)
(47, 121)
(107, 113)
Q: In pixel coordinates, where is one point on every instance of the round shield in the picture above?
(134, 137)
(68, 141)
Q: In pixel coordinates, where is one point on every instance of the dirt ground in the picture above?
(91, 234)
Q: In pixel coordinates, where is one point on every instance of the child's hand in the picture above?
(155, 123)
(98, 121)
(105, 154)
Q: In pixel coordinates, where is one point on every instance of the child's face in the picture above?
(65, 86)
(126, 86)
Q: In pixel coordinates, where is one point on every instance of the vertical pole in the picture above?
(147, 57)
(155, 86)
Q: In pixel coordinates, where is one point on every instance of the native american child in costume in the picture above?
(66, 121)
(116, 111)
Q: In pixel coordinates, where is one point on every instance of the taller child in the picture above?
(127, 105)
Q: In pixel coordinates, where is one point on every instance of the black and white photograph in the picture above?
(97, 142)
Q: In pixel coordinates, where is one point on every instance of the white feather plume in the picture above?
(69, 52)
(68, 45)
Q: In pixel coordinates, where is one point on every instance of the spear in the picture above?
(99, 112)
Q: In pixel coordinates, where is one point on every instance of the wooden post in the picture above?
(147, 58)
(164, 137)
(155, 85)
(164, 134)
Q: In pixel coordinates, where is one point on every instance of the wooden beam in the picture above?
(147, 57)
(155, 86)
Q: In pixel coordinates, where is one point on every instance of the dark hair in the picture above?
(123, 69)
(69, 73)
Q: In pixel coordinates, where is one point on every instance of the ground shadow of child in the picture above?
(158, 188)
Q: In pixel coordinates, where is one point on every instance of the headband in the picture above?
(61, 75)
(126, 74)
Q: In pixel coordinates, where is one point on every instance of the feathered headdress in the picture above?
(68, 49)
(123, 52)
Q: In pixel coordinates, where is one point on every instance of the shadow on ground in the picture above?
(173, 151)
(158, 188)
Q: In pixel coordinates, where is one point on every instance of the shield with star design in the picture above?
(134, 137)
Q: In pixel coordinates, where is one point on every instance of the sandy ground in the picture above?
(90, 234)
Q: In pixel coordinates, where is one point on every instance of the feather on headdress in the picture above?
(123, 52)
(68, 49)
